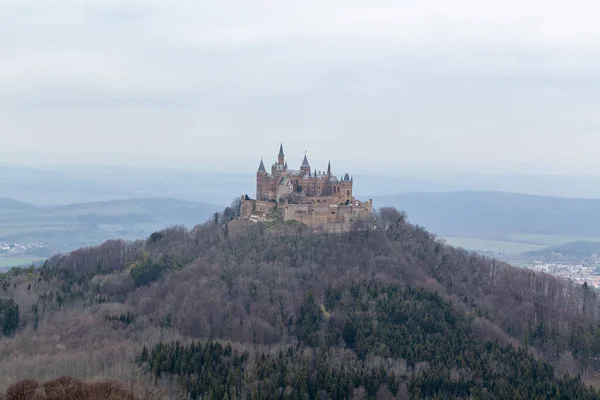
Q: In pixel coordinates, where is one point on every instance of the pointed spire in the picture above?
(329, 168)
(261, 167)
(305, 163)
(281, 149)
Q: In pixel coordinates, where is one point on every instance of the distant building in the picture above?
(318, 199)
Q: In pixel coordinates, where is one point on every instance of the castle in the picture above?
(318, 199)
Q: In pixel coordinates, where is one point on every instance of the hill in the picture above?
(83, 184)
(13, 205)
(236, 309)
(67, 227)
(527, 222)
(571, 251)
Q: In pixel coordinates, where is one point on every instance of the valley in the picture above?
(29, 232)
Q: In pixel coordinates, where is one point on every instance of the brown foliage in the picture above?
(108, 390)
(23, 390)
(68, 388)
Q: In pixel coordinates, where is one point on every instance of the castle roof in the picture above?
(305, 163)
(261, 167)
(281, 149)
(284, 180)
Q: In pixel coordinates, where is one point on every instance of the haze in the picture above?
(389, 85)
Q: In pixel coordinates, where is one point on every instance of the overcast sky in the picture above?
(476, 85)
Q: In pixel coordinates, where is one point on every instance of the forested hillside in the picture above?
(239, 310)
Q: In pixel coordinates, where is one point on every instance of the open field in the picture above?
(496, 246)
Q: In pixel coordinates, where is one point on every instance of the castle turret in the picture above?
(329, 168)
(281, 157)
(261, 167)
(261, 176)
(305, 167)
(346, 188)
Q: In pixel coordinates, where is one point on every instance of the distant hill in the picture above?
(579, 250)
(82, 184)
(67, 227)
(490, 214)
(11, 205)
(64, 185)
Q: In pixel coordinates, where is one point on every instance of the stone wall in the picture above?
(319, 217)
(255, 207)
(327, 217)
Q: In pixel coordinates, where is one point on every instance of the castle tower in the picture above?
(329, 168)
(346, 188)
(281, 157)
(305, 167)
(261, 175)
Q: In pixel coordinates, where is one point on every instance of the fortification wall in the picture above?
(319, 217)
(331, 218)
(255, 207)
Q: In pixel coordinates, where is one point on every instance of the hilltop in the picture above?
(243, 309)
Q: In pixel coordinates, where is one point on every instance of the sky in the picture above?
(496, 85)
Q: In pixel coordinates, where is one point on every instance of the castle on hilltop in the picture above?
(318, 199)
(302, 185)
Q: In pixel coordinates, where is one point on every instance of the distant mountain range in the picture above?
(505, 207)
(76, 184)
(70, 226)
(491, 214)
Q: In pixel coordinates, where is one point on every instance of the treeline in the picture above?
(281, 286)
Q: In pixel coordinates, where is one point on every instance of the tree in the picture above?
(23, 390)
(307, 325)
(9, 317)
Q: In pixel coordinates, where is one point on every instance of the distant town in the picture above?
(577, 272)
(20, 248)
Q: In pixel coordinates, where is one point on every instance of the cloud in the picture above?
(462, 82)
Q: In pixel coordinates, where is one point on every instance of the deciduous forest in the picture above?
(237, 310)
